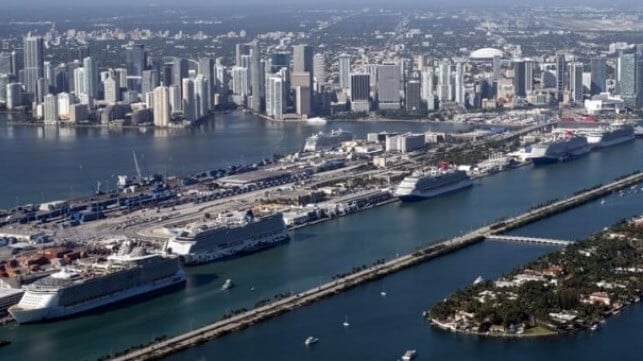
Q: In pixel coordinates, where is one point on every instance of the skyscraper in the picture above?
(275, 96)
(345, 71)
(599, 75)
(257, 83)
(520, 75)
(302, 59)
(560, 75)
(91, 77)
(188, 103)
(427, 88)
(319, 68)
(240, 50)
(175, 95)
(388, 86)
(4, 80)
(149, 81)
(135, 63)
(202, 95)
(412, 99)
(14, 95)
(301, 84)
(5, 63)
(240, 84)
(360, 92)
(576, 82)
(80, 85)
(179, 70)
(161, 108)
(51, 109)
(112, 89)
(206, 68)
(459, 84)
(443, 81)
(529, 75)
(33, 62)
(497, 68)
(628, 64)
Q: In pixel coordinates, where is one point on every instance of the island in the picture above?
(577, 288)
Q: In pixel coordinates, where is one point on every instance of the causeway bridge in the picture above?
(548, 241)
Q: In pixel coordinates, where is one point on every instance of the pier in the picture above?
(548, 241)
(246, 319)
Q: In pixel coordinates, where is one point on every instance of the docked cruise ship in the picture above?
(80, 288)
(559, 148)
(226, 236)
(432, 183)
(326, 141)
(605, 136)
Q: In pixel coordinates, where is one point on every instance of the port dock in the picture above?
(246, 319)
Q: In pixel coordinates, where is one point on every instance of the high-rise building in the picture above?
(388, 86)
(302, 59)
(302, 85)
(149, 81)
(412, 99)
(202, 95)
(257, 84)
(112, 89)
(520, 75)
(497, 68)
(64, 103)
(161, 108)
(5, 63)
(627, 74)
(427, 88)
(179, 70)
(459, 84)
(319, 68)
(91, 77)
(135, 60)
(275, 96)
(560, 75)
(33, 62)
(175, 95)
(51, 109)
(80, 85)
(188, 103)
(576, 82)
(599, 75)
(444, 76)
(17, 62)
(240, 50)
(206, 68)
(360, 92)
(345, 71)
(4, 80)
(14, 95)
(529, 75)
(240, 84)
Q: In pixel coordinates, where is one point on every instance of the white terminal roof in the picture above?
(486, 53)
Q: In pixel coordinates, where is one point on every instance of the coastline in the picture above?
(445, 327)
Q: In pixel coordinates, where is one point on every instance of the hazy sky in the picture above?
(313, 3)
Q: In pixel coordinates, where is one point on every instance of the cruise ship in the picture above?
(605, 136)
(638, 131)
(432, 183)
(559, 148)
(326, 141)
(83, 287)
(226, 236)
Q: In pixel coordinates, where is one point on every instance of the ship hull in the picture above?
(194, 259)
(549, 159)
(169, 284)
(613, 142)
(416, 196)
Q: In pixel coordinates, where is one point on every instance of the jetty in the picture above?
(246, 319)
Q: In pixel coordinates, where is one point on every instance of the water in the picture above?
(380, 328)
(42, 163)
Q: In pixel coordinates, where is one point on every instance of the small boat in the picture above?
(478, 280)
(603, 201)
(345, 323)
(311, 340)
(594, 327)
(252, 289)
(383, 293)
(227, 285)
(409, 355)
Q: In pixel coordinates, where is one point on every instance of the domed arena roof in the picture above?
(486, 53)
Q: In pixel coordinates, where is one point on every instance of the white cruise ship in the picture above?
(559, 148)
(327, 141)
(605, 136)
(228, 235)
(432, 183)
(82, 288)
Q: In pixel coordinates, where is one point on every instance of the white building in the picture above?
(161, 107)
(427, 88)
(188, 100)
(51, 109)
(404, 143)
(64, 102)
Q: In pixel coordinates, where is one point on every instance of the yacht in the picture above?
(227, 285)
(311, 340)
(409, 355)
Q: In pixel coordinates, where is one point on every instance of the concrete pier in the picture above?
(238, 322)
